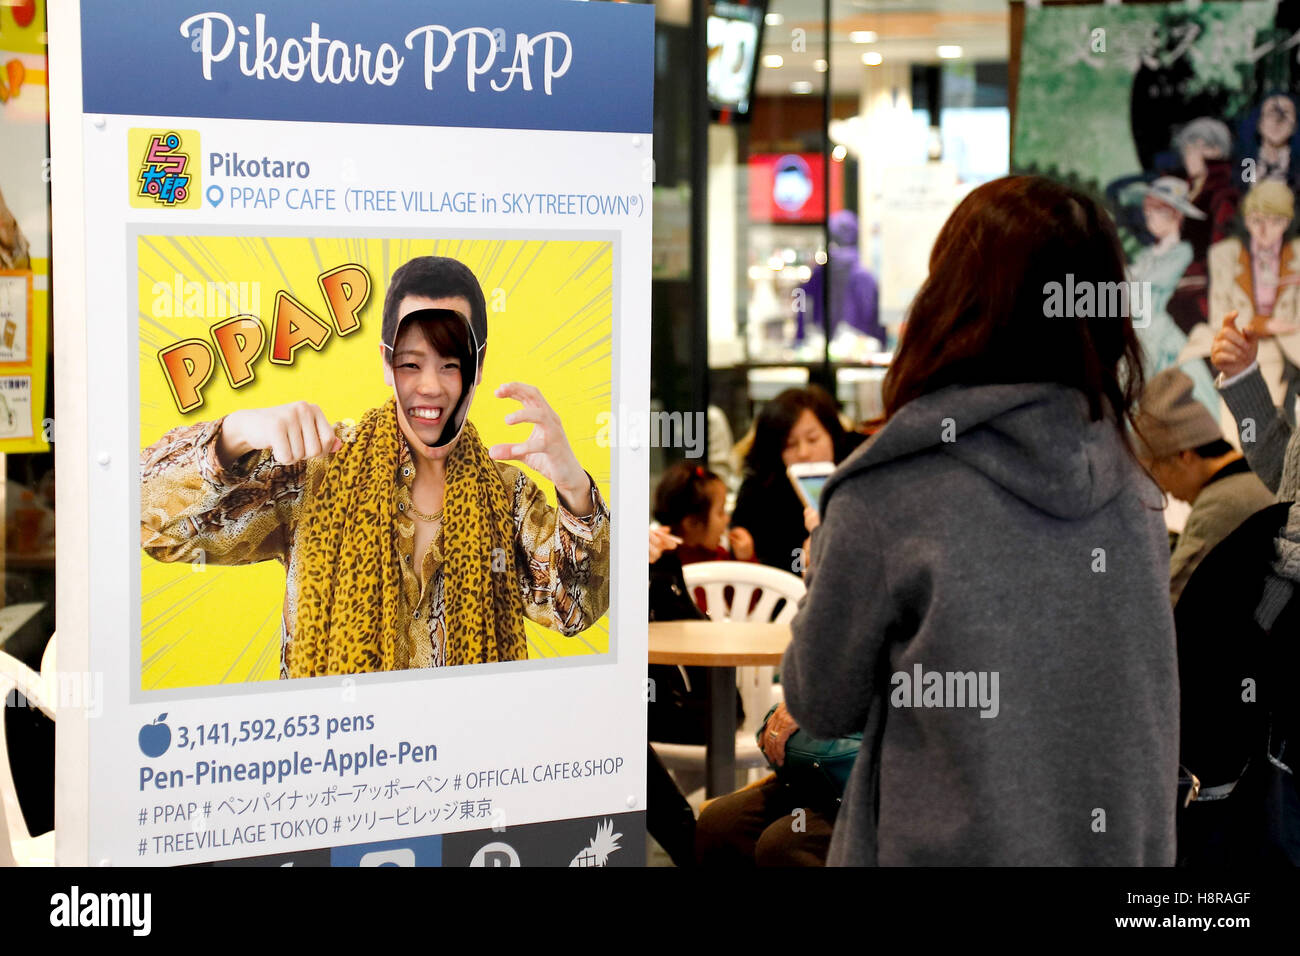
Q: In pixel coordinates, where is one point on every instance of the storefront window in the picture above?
(866, 125)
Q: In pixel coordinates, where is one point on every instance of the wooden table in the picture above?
(721, 646)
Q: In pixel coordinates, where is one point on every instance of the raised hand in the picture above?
(742, 543)
(1233, 350)
(661, 540)
(546, 450)
(293, 432)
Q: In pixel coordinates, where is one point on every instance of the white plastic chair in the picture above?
(17, 846)
(756, 689)
(50, 661)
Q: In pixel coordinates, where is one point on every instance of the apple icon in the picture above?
(155, 738)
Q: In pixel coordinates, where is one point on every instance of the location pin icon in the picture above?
(214, 195)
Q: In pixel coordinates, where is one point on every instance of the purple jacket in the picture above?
(854, 297)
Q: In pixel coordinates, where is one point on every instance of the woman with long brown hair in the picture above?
(988, 597)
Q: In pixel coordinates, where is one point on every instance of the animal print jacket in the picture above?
(190, 505)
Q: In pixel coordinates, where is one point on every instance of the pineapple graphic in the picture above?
(597, 852)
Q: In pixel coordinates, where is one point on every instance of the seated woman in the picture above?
(406, 542)
(799, 426)
(779, 821)
(988, 596)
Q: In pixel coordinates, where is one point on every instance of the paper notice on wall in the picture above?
(15, 317)
(15, 406)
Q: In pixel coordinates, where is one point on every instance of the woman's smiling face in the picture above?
(427, 384)
(808, 441)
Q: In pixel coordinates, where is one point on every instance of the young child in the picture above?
(691, 505)
(691, 502)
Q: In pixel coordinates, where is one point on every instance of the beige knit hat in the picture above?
(1170, 419)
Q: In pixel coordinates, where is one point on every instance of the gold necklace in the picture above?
(417, 513)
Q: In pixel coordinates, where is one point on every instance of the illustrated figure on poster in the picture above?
(1205, 148)
(1166, 206)
(1258, 277)
(849, 288)
(1270, 139)
(1200, 154)
(14, 252)
(407, 543)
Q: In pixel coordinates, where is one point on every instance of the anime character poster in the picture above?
(360, 297)
(1182, 117)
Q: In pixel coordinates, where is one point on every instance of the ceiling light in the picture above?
(863, 36)
(774, 19)
(839, 152)
(819, 66)
(801, 86)
(873, 58)
(949, 52)
(773, 61)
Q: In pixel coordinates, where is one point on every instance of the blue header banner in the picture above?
(503, 64)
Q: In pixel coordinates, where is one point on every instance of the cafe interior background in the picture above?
(773, 119)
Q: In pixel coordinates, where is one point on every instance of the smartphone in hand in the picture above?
(808, 478)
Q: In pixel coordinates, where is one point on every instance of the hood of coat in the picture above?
(1035, 440)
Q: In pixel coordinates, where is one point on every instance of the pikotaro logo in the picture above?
(164, 168)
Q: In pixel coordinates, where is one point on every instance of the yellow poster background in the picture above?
(550, 324)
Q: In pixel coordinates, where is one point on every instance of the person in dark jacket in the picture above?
(801, 425)
(1241, 730)
(1240, 724)
(988, 595)
(1272, 447)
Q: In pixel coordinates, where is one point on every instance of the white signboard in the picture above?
(358, 288)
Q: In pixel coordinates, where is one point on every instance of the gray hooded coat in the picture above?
(989, 603)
